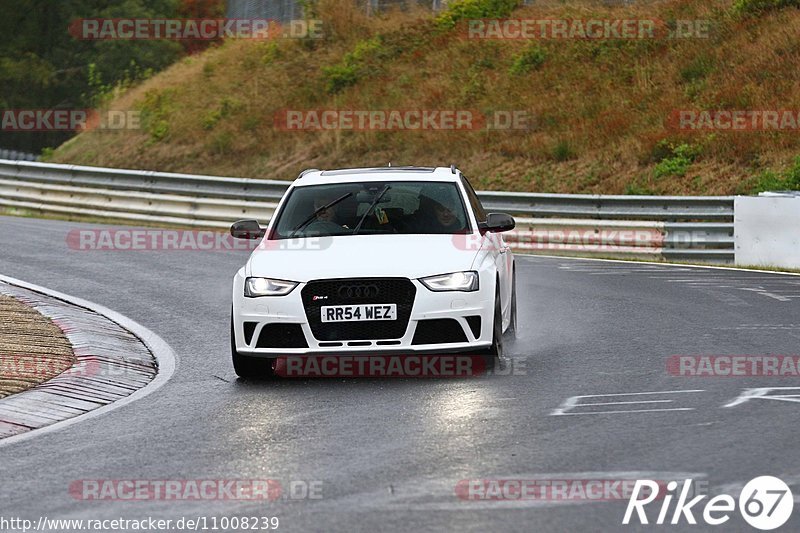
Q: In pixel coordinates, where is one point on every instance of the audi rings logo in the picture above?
(358, 291)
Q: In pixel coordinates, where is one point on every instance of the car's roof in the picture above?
(319, 177)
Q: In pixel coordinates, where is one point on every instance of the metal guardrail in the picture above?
(608, 207)
(681, 228)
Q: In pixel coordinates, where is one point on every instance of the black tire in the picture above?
(493, 356)
(511, 332)
(251, 368)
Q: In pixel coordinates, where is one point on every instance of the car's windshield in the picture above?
(404, 207)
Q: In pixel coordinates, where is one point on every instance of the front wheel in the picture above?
(511, 331)
(248, 367)
(494, 354)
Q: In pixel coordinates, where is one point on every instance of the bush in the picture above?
(792, 176)
(156, 109)
(697, 69)
(530, 59)
(213, 116)
(759, 6)
(337, 77)
(158, 130)
(46, 155)
(637, 189)
(222, 143)
(563, 151)
(270, 53)
(682, 157)
(363, 60)
(474, 9)
(772, 181)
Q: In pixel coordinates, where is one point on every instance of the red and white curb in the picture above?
(118, 362)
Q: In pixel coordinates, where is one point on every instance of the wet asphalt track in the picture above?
(389, 453)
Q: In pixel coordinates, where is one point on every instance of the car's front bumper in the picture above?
(254, 316)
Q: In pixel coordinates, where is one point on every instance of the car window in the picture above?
(406, 207)
(474, 201)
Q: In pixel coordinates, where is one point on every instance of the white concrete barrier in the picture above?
(767, 230)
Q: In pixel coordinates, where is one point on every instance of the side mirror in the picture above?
(247, 229)
(498, 222)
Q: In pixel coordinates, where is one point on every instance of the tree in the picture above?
(42, 66)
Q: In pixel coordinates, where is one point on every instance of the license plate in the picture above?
(356, 313)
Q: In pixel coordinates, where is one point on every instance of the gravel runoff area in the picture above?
(33, 349)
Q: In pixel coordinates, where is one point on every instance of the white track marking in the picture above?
(762, 393)
(765, 293)
(626, 411)
(627, 403)
(677, 266)
(574, 402)
(703, 279)
(641, 393)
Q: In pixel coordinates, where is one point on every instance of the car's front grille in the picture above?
(352, 291)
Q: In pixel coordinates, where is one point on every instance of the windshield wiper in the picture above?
(370, 208)
(313, 215)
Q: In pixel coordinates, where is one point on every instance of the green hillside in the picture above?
(599, 109)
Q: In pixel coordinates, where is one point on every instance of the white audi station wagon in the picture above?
(389, 261)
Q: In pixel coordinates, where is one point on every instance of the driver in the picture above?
(445, 217)
(438, 214)
(444, 220)
(329, 216)
(326, 215)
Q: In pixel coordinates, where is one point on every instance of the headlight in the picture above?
(457, 281)
(255, 287)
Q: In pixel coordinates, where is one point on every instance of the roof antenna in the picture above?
(390, 163)
(453, 168)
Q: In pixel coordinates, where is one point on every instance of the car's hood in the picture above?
(410, 256)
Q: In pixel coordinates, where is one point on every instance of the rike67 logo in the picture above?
(765, 503)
